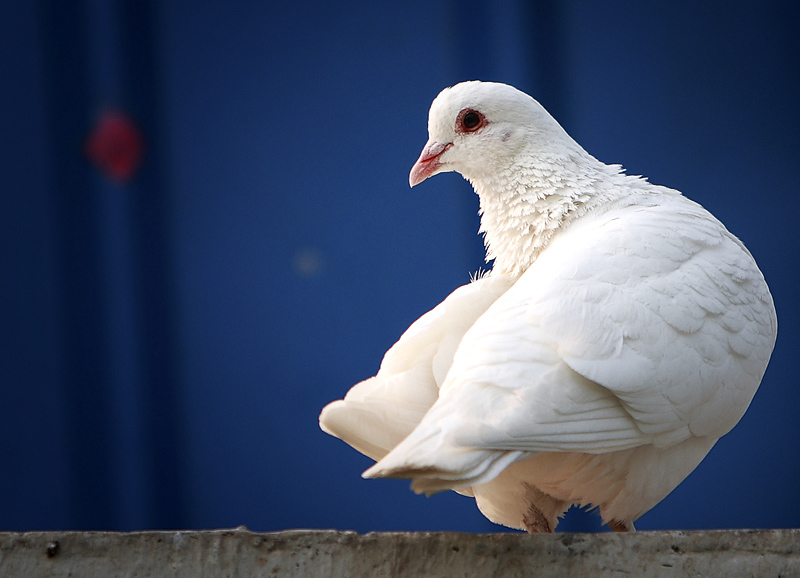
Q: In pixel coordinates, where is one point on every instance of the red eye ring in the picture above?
(469, 120)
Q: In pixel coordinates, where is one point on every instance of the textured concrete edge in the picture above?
(240, 552)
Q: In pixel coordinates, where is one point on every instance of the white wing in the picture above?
(378, 413)
(643, 325)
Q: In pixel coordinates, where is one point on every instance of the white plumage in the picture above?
(620, 333)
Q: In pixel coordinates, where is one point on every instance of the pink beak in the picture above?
(428, 162)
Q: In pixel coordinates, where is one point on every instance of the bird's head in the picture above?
(479, 129)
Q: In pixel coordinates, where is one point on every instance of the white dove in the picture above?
(620, 333)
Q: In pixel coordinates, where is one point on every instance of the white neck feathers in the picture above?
(523, 207)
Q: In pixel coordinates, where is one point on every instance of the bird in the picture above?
(621, 331)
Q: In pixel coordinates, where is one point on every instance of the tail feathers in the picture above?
(371, 429)
(379, 412)
(434, 468)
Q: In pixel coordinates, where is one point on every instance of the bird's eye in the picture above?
(469, 120)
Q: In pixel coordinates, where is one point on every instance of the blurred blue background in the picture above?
(169, 340)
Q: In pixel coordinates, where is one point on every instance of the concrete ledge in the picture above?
(314, 553)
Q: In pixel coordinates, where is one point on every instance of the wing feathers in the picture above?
(621, 334)
(376, 414)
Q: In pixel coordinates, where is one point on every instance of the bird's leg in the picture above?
(619, 526)
(535, 521)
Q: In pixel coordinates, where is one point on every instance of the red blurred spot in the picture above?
(115, 146)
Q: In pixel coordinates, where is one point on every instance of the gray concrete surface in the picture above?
(315, 553)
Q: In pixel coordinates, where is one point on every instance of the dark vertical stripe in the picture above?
(545, 26)
(472, 48)
(157, 319)
(84, 370)
(473, 62)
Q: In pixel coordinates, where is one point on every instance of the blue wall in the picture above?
(166, 344)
